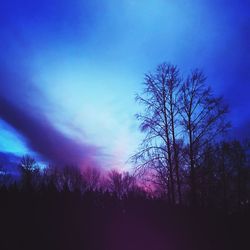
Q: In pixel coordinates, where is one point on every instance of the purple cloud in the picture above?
(42, 137)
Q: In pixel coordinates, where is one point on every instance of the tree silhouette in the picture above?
(91, 177)
(29, 172)
(202, 118)
(176, 111)
(158, 151)
(120, 183)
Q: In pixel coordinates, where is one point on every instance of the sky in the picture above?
(69, 70)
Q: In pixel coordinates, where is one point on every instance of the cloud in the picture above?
(20, 103)
(42, 137)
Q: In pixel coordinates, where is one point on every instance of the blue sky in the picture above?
(72, 68)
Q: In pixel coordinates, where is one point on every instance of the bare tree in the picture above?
(91, 177)
(29, 171)
(159, 151)
(71, 178)
(120, 183)
(176, 112)
(202, 118)
(173, 87)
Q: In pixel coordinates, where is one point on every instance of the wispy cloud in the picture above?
(42, 137)
(40, 134)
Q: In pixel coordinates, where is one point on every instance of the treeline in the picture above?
(63, 208)
(223, 180)
(223, 176)
(33, 177)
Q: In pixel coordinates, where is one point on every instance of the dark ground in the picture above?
(53, 220)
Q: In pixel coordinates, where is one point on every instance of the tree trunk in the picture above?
(175, 149)
(192, 169)
(224, 183)
(169, 154)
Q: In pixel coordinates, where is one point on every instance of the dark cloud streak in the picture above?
(42, 137)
